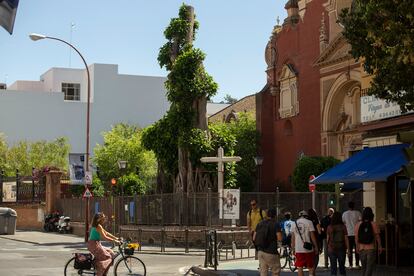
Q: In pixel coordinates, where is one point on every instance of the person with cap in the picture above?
(304, 243)
(269, 233)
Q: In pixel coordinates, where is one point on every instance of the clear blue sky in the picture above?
(129, 33)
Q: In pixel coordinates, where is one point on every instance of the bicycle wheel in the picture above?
(70, 269)
(283, 257)
(130, 265)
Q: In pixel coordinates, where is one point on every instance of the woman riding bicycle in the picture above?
(103, 255)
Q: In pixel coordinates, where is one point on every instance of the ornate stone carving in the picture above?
(323, 37)
(270, 55)
(288, 96)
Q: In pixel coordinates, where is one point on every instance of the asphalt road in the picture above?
(27, 259)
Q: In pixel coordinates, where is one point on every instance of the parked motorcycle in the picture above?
(64, 225)
(51, 222)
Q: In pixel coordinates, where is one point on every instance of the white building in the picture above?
(38, 110)
(56, 106)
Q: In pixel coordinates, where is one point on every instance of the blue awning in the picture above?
(368, 165)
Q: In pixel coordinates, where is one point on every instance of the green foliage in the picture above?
(3, 152)
(187, 82)
(307, 166)
(123, 142)
(25, 155)
(239, 137)
(162, 139)
(98, 187)
(229, 99)
(382, 33)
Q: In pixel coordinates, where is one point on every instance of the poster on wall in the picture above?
(76, 169)
(230, 204)
(9, 191)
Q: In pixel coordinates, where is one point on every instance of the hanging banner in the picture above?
(76, 169)
(230, 204)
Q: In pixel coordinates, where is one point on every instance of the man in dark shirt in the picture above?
(268, 255)
(324, 226)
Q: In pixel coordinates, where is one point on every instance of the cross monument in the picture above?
(220, 160)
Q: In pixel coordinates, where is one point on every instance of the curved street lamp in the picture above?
(36, 37)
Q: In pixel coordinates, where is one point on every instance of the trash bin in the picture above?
(8, 219)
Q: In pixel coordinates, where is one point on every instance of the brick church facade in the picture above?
(288, 115)
(314, 102)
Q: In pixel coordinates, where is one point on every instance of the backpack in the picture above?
(260, 212)
(287, 228)
(366, 233)
(263, 235)
(338, 237)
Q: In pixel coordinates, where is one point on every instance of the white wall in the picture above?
(34, 115)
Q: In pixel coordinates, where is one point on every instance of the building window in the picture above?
(288, 99)
(71, 91)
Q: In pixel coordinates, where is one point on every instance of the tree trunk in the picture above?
(184, 163)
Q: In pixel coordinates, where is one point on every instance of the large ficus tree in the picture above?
(188, 89)
(381, 32)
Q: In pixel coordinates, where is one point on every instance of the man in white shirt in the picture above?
(350, 219)
(303, 232)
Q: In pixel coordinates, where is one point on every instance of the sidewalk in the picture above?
(77, 243)
(249, 267)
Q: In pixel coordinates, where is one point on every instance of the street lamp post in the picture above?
(122, 167)
(36, 37)
(258, 160)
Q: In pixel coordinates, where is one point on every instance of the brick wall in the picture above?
(246, 104)
(29, 216)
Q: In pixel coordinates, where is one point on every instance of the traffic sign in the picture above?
(88, 178)
(312, 186)
(87, 193)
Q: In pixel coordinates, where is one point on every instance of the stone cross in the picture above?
(220, 160)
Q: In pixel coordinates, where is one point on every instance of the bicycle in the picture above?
(126, 265)
(286, 252)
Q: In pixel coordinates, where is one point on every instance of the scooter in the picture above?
(64, 225)
(51, 222)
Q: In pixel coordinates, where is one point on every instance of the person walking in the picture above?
(266, 237)
(103, 255)
(338, 244)
(304, 243)
(286, 228)
(254, 216)
(367, 237)
(325, 222)
(313, 216)
(351, 218)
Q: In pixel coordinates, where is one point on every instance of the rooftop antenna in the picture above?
(278, 20)
(72, 26)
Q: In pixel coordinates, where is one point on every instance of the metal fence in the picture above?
(22, 189)
(198, 209)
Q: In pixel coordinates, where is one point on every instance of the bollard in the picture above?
(186, 240)
(162, 240)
